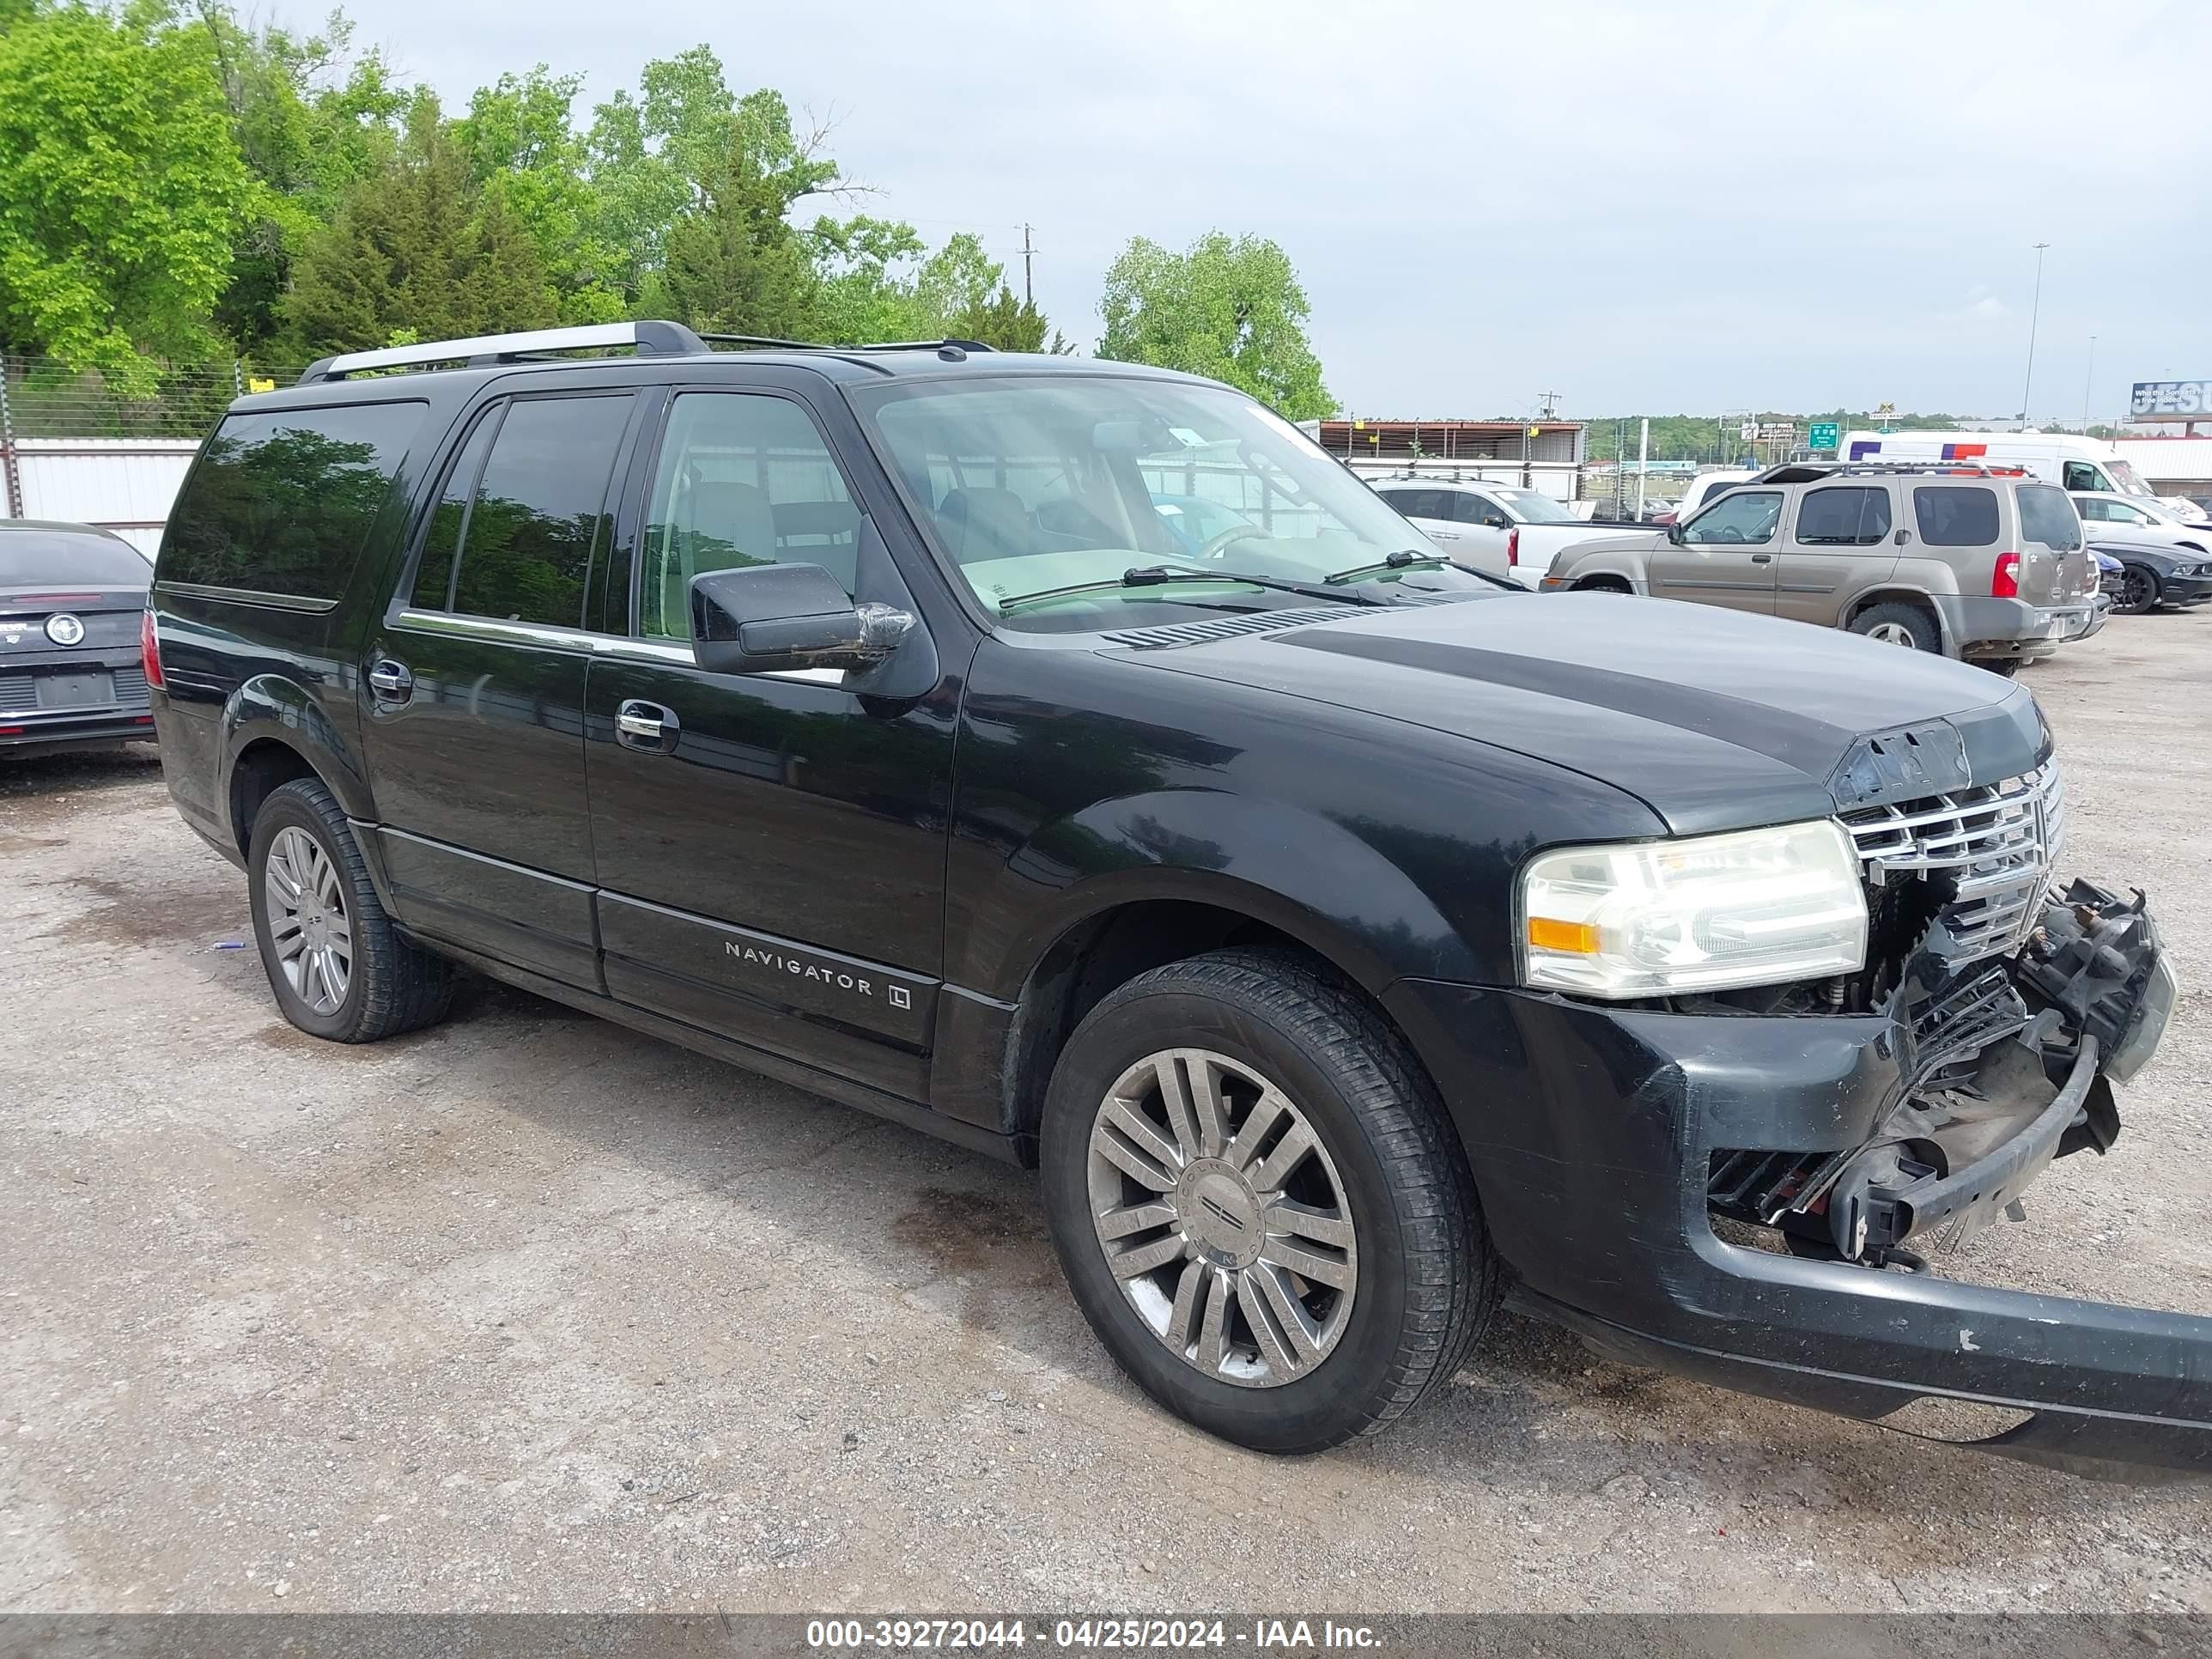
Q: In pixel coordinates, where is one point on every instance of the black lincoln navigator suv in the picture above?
(1071, 759)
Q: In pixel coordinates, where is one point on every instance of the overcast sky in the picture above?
(1652, 209)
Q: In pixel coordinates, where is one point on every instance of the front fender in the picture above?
(1288, 867)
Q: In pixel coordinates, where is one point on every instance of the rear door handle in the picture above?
(390, 681)
(647, 727)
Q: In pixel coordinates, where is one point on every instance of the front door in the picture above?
(770, 848)
(1838, 546)
(1726, 554)
(474, 689)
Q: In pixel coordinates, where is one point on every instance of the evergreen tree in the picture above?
(732, 265)
(417, 250)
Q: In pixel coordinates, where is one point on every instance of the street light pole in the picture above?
(2088, 381)
(2034, 314)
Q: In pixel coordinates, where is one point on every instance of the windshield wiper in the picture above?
(1404, 559)
(1155, 575)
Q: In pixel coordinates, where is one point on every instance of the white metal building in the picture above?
(123, 484)
(2171, 466)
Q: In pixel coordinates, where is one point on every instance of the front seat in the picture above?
(719, 527)
(981, 525)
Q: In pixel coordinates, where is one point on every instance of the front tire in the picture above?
(338, 968)
(1259, 1203)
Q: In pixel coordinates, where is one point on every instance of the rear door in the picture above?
(1838, 546)
(1429, 509)
(474, 686)
(1726, 553)
(770, 846)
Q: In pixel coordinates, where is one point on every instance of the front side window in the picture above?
(743, 478)
(282, 502)
(517, 543)
(2047, 515)
(1043, 493)
(1742, 517)
(1846, 517)
(2080, 475)
(1479, 510)
(1955, 515)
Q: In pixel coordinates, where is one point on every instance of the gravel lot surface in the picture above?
(530, 1312)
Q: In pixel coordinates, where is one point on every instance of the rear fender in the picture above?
(268, 708)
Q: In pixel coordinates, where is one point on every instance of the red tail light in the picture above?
(2004, 581)
(1513, 546)
(149, 649)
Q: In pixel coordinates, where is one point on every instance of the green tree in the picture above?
(862, 289)
(733, 264)
(1230, 308)
(524, 152)
(1006, 324)
(656, 156)
(310, 118)
(122, 191)
(418, 250)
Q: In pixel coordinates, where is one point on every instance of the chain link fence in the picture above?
(45, 397)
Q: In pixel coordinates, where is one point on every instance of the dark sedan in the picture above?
(2152, 576)
(72, 600)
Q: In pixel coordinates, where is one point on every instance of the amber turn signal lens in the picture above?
(1546, 934)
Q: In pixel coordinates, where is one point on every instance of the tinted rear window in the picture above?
(1843, 517)
(1956, 515)
(32, 556)
(2047, 515)
(282, 502)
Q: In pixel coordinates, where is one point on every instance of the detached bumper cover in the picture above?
(1592, 1132)
(2015, 627)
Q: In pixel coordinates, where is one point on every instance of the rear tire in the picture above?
(1379, 1208)
(2138, 590)
(338, 968)
(1898, 625)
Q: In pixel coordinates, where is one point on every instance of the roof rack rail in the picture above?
(653, 339)
(1784, 472)
(773, 344)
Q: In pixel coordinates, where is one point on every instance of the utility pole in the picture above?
(2035, 313)
(1028, 289)
(2087, 381)
(1551, 401)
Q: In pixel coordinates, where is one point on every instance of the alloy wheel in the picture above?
(1894, 633)
(2135, 589)
(1222, 1218)
(308, 926)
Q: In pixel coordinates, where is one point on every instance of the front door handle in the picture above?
(390, 681)
(1762, 558)
(647, 727)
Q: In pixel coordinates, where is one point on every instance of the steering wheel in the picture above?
(1727, 532)
(1216, 545)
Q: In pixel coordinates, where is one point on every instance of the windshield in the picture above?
(29, 558)
(1032, 484)
(1534, 507)
(2125, 477)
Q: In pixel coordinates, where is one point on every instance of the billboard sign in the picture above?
(2170, 400)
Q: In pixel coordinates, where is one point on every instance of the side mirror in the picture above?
(1674, 533)
(762, 619)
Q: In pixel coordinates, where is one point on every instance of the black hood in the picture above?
(1715, 719)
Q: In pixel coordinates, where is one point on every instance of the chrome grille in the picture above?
(1999, 840)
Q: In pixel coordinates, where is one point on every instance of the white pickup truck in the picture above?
(1500, 529)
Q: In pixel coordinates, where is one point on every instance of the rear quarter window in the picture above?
(1956, 515)
(2047, 515)
(282, 502)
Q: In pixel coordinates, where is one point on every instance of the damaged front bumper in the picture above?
(1607, 1143)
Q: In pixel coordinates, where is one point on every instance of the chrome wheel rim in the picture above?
(1891, 633)
(1223, 1218)
(308, 928)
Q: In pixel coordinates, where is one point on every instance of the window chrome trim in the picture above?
(608, 646)
(245, 596)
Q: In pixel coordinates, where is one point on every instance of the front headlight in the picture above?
(1753, 906)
